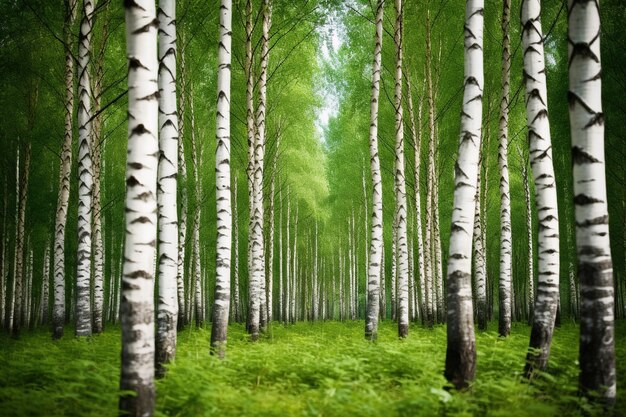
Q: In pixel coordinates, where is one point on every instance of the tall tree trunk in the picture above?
(85, 175)
(96, 207)
(294, 274)
(270, 244)
(376, 243)
(236, 308)
(287, 313)
(12, 310)
(184, 199)
(416, 132)
(222, 185)
(545, 187)
(394, 270)
(461, 349)
(437, 256)
(400, 184)
(96, 202)
(4, 240)
(137, 307)
(45, 288)
(429, 267)
(281, 285)
(167, 307)
(196, 156)
(253, 283)
(58, 309)
(20, 302)
(595, 266)
(505, 283)
(258, 248)
(529, 237)
(479, 258)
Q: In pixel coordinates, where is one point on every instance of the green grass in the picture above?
(322, 369)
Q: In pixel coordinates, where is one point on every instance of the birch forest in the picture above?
(313, 208)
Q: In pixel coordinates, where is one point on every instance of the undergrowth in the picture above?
(321, 369)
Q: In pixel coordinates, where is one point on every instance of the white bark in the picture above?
(222, 184)
(429, 266)
(595, 266)
(416, 133)
(167, 307)
(505, 197)
(58, 309)
(137, 306)
(461, 346)
(545, 186)
(18, 276)
(480, 275)
(270, 245)
(400, 185)
(184, 200)
(376, 242)
(236, 308)
(11, 317)
(85, 175)
(44, 305)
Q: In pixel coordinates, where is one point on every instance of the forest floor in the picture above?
(308, 369)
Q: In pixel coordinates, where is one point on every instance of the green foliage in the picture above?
(321, 369)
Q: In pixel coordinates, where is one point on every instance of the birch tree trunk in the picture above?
(137, 306)
(461, 347)
(529, 237)
(545, 187)
(58, 309)
(222, 185)
(12, 310)
(281, 286)
(85, 175)
(254, 313)
(167, 308)
(197, 216)
(45, 289)
(376, 243)
(394, 270)
(595, 266)
(184, 199)
(400, 185)
(270, 245)
(287, 314)
(236, 309)
(96, 209)
(505, 282)
(416, 132)
(4, 240)
(18, 277)
(429, 268)
(258, 248)
(479, 260)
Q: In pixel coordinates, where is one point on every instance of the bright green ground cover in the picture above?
(323, 369)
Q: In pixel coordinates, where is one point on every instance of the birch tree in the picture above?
(58, 309)
(545, 187)
(461, 346)
(258, 248)
(400, 185)
(137, 306)
(376, 244)
(222, 184)
(167, 309)
(18, 276)
(595, 266)
(85, 174)
(504, 323)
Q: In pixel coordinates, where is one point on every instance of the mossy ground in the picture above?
(321, 369)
